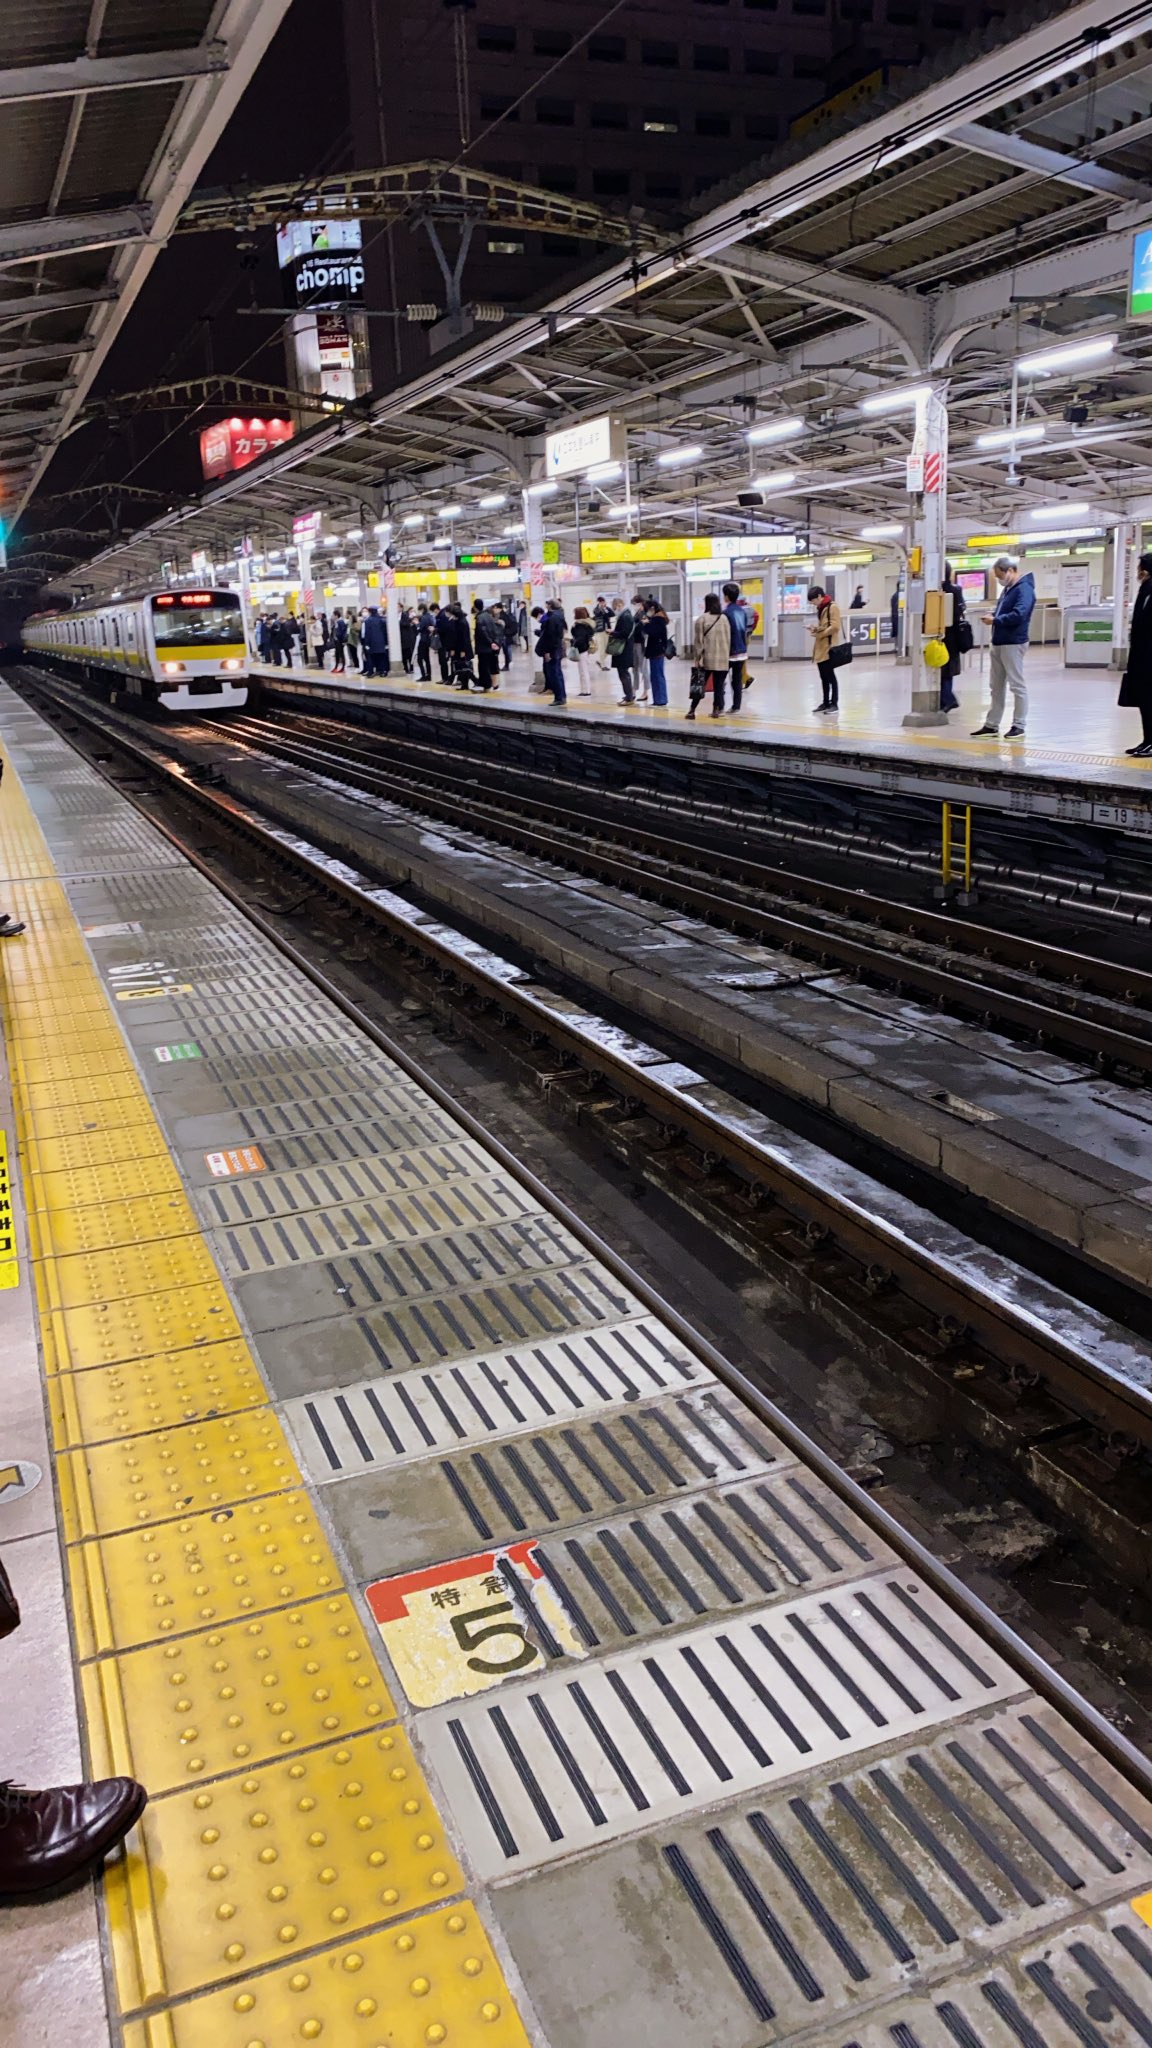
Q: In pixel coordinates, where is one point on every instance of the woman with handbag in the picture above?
(830, 650)
(957, 639)
(1136, 686)
(711, 653)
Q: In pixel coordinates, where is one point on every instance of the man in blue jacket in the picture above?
(736, 614)
(1009, 623)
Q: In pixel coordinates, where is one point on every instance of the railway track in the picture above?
(1054, 1386)
(1096, 1008)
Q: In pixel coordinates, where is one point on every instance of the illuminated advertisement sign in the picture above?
(321, 261)
(233, 444)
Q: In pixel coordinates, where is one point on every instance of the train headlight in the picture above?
(233, 665)
(172, 668)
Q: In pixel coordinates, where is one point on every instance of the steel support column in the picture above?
(928, 493)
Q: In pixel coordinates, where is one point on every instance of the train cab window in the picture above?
(190, 618)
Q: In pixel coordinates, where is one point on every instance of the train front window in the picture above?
(197, 618)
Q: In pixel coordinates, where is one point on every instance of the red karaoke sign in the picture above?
(233, 444)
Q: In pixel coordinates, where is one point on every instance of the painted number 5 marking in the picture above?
(470, 1637)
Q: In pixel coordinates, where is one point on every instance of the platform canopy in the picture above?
(978, 212)
(108, 112)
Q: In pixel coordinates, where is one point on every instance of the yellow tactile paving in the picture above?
(120, 1114)
(82, 1098)
(434, 1983)
(109, 1331)
(124, 1271)
(222, 1660)
(114, 1401)
(182, 1575)
(145, 1479)
(136, 1144)
(175, 1714)
(253, 1868)
(100, 1187)
(67, 1228)
(91, 1056)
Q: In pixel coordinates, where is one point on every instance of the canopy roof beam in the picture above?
(109, 74)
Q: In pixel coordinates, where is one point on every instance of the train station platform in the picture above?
(1071, 765)
(496, 1676)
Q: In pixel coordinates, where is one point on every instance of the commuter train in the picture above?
(183, 649)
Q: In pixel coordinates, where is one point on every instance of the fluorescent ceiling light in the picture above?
(338, 561)
(1067, 356)
(895, 401)
(603, 470)
(510, 532)
(413, 519)
(672, 456)
(497, 498)
(880, 532)
(777, 480)
(775, 430)
(1009, 437)
(449, 511)
(384, 525)
(543, 490)
(617, 511)
(329, 541)
(1078, 511)
(354, 533)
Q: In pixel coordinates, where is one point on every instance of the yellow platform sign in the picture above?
(693, 548)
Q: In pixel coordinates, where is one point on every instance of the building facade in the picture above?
(669, 99)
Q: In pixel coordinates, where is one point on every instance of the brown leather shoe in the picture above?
(48, 1840)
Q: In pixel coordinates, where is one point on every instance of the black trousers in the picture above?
(487, 666)
(828, 682)
(424, 661)
(622, 663)
(445, 665)
(736, 671)
(1146, 723)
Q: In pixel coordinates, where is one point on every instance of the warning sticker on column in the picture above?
(236, 1159)
(9, 1270)
(461, 1628)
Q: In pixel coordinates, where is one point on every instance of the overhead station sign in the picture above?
(585, 446)
(697, 547)
(487, 558)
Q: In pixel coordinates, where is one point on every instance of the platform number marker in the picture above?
(461, 1628)
(187, 1049)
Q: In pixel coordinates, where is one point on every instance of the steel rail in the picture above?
(1011, 1334)
(1086, 1035)
(1048, 1683)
